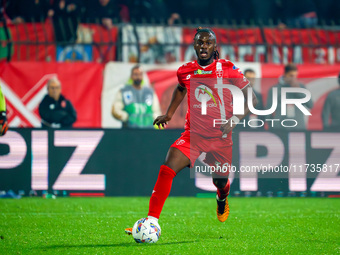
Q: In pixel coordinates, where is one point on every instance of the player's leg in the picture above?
(175, 161)
(220, 178)
(223, 187)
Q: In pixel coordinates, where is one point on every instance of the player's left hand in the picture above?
(3, 123)
(162, 120)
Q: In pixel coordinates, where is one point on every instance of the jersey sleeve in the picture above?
(180, 77)
(236, 77)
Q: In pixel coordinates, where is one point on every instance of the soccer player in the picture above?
(200, 136)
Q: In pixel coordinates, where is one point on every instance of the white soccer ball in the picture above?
(146, 231)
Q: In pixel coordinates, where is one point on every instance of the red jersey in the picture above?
(200, 83)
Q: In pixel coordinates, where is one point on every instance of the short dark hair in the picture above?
(135, 67)
(248, 71)
(290, 67)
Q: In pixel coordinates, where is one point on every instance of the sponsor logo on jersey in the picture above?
(203, 94)
(180, 142)
(199, 71)
(238, 69)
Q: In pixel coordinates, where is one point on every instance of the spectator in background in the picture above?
(327, 11)
(223, 10)
(298, 14)
(55, 110)
(251, 76)
(289, 79)
(151, 11)
(331, 110)
(191, 9)
(264, 11)
(20, 11)
(65, 15)
(136, 105)
(103, 11)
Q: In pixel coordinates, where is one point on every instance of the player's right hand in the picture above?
(3, 123)
(162, 120)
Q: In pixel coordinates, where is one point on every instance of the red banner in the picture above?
(36, 41)
(318, 46)
(24, 85)
(104, 47)
(33, 41)
(321, 37)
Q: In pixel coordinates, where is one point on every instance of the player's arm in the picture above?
(71, 116)
(118, 108)
(3, 116)
(226, 128)
(177, 97)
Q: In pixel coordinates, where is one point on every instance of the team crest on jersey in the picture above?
(219, 73)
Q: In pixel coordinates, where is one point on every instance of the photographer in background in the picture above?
(55, 110)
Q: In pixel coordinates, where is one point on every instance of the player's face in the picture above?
(291, 77)
(54, 90)
(137, 76)
(250, 77)
(205, 45)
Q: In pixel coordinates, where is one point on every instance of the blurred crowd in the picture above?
(290, 13)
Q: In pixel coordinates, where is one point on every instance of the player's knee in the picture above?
(220, 183)
(173, 166)
(168, 164)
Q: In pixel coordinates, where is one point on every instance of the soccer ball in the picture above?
(146, 231)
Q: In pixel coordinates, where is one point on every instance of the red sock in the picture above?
(223, 193)
(161, 191)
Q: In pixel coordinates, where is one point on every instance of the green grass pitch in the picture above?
(189, 226)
